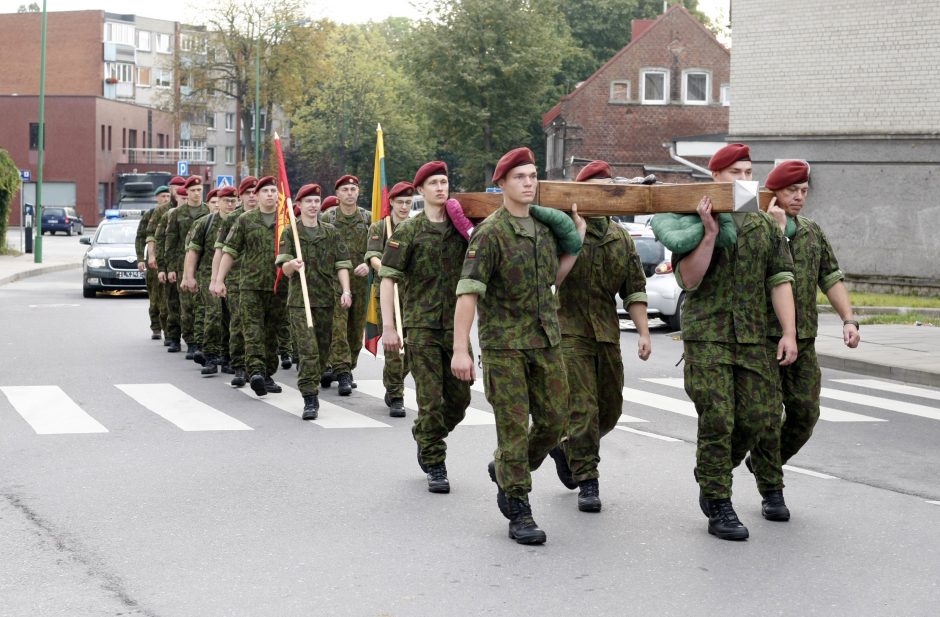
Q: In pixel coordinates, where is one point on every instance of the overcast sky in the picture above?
(347, 11)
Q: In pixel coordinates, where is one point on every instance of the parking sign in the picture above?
(223, 181)
(25, 175)
(182, 168)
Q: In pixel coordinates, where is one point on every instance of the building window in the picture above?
(143, 40)
(109, 138)
(210, 155)
(119, 33)
(102, 138)
(163, 78)
(34, 136)
(163, 43)
(193, 43)
(229, 155)
(654, 86)
(695, 87)
(143, 76)
(210, 120)
(121, 71)
(619, 91)
(726, 94)
(264, 120)
(229, 122)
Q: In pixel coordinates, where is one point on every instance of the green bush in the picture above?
(9, 185)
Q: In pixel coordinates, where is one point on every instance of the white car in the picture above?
(663, 292)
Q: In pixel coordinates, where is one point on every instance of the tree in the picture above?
(32, 8)
(485, 69)
(9, 185)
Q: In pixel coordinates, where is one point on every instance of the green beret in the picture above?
(161, 189)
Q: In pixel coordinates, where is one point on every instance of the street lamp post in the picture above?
(37, 249)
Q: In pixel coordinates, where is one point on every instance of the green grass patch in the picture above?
(870, 299)
(910, 319)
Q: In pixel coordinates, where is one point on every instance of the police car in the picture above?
(110, 264)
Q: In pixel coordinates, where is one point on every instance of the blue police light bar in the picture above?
(112, 214)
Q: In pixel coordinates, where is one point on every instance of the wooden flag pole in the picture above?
(398, 325)
(301, 272)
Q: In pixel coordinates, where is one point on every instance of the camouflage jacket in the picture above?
(607, 265)
(200, 239)
(251, 243)
(425, 259)
(178, 223)
(156, 233)
(730, 303)
(323, 252)
(140, 241)
(354, 229)
(513, 272)
(814, 264)
(375, 247)
(234, 273)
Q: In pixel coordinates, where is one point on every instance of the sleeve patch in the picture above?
(374, 238)
(393, 243)
(472, 254)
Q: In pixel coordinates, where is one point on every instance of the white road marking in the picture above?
(665, 403)
(809, 472)
(186, 412)
(375, 387)
(50, 411)
(825, 413)
(911, 409)
(897, 388)
(645, 434)
(936, 503)
(478, 386)
(330, 415)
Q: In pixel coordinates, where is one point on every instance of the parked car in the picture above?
(111, 260)
(663, 292)
(64, 219)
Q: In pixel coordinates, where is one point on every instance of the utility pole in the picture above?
(37, 252)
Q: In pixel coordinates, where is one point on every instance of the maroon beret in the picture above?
(594, 169)
(211, 194)
(247, 184)
(401, 189)
(787, 173)
(434, 168)
(177, 181)
(513, 158)
(265, 181)
(226, 191)
(181, 191)
(193, 181)
(307, 190)
(296, 211)
(328, 203)
(728, 156)
(347, 179)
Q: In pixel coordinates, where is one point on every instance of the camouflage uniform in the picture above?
(178, 223)
(236, 335)
(140, 244)
(423, 258)
(349, 325)
(215, 317)
(512, 271)
(393, 373)
(590, 327)
(729, 374)
(814, 265)
(324, 254)
(262, 311)
(156, 231)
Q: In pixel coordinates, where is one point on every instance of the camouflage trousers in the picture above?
(262, 314)
(199, 312)
(284, 341)
(187, 304)
(442, 398)
(312, 345)
(349, 328)
(595, 400)
(520, 383)
(236, 335)
(153, 300)
(215, 322)
(160, 294)
(734, 388)
(173, 326)
(801, 384)
(394, 370)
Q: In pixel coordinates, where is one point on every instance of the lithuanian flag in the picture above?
(380, 209)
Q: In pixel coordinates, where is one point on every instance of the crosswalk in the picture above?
(51, 410)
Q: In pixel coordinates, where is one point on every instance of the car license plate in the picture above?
(136, 274)
(53, 220)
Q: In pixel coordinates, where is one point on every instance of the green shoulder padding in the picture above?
(562, 227)
(681, 233)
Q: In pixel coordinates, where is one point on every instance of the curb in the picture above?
(883, 310)
(36, 272)
(899, 373)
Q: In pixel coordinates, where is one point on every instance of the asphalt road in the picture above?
(274, 516)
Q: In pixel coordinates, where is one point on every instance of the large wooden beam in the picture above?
(616, 199)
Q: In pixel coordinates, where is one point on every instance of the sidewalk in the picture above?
(905, 353)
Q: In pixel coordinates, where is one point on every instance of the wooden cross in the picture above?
(624, 199)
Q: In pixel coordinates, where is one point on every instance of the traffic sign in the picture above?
(182, 168)
(223, 181)
(25, 175)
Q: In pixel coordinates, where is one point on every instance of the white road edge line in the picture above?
(645, 434)
(936, 503)
(809, 472)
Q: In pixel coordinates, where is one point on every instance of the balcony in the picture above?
(167, 156)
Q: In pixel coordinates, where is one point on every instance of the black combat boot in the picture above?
(174, 346)
(211, 366)
(589, 498)
(396, 406)
(166, 342)
(773, 507)
(199, 356)
(191, 351)
(311, 407)
(327, 379)
(296, 362)
(723, 520)
(437, 479)
(285, 361)
(345, 384)
(522, 527)
(561, 467)
(240, 378)
(227, 366)
(271, 386)
(257, 384)
(501, 502)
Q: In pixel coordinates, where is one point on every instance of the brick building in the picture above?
(672, 80)
(851, 86)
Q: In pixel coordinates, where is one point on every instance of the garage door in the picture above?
(53, 193)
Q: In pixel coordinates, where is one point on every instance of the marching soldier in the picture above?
(323, 263)
(198, 295)
(815, 265)
(352, 222)
(236, 340)
(508, 273)
(262, 310)
(424, 256)
(393, 374)
(153, 250)
(590, 342)
(144, 258)
(172, 290)
(729, 373)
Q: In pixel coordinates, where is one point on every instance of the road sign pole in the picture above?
(37, 254)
